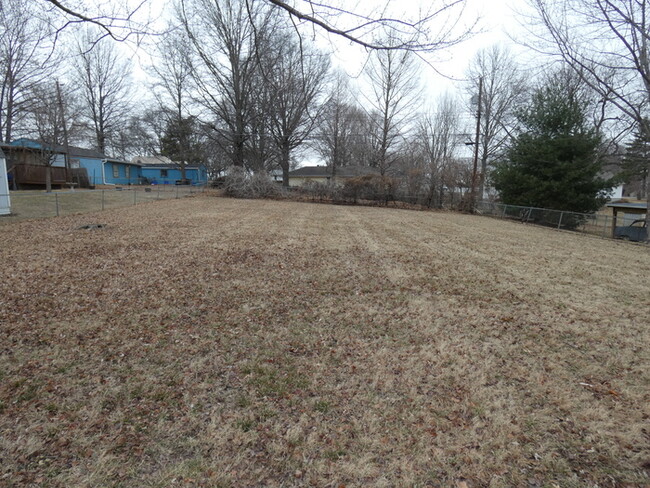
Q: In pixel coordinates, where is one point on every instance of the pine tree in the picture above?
(636, 162)
(179, 142)
(554, 162)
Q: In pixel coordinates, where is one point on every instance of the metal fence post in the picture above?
(158, 192)
(559, 224)
(56, 200)
(176, 191)
(103, 199)
(134, 197)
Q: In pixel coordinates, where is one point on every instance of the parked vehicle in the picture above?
(637, 231)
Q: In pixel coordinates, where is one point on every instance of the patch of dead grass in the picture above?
(216, 342)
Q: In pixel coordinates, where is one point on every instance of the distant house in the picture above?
(87, 166)
(163, 171)
(276, 175)
(631, 187)
(323, 174)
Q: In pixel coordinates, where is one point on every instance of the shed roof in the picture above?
(638, 206)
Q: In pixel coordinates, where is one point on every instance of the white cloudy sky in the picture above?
(499, 21)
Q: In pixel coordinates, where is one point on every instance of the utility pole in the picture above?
(64, 123)
(472, 203)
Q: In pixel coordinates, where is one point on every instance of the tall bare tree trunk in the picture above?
(9, 119)
(285, 163)
(647, 211)
(48, 178)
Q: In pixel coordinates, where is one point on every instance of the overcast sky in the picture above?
(499, 23)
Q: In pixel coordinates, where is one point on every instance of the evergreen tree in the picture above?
(636, 163)
(554, 161)
(180, 142)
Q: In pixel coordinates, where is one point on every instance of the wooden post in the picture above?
(614, 222)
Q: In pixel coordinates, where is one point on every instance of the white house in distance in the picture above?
(323, 174)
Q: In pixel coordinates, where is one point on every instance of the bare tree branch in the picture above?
(403, 35)
(432, 31)
(118, 25)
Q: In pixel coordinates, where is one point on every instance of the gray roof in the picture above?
(75, 152)
(326, 171)
(152, 160)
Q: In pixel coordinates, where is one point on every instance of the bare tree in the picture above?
(54, 120)
(504, 86)
(224, 35)
(174, 86)
(439, 27)
(341, 127)
(394, 91)
(360, 144)
(24, 61)
(296, 77)
(606, 42)
(261, 153)
(48, 127)
(438, 139)
(104, 78)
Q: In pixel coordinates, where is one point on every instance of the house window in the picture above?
(127, 171)
(116, 171)
(163, 173)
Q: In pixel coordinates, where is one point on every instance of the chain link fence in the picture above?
(33, 205)
(598, 224)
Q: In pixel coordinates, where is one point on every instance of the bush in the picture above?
(239, 183)
(370, 187)
(321, 191)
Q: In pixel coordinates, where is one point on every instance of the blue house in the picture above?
(161, 170)
(107, 171)
(99, 168)
(89, 167)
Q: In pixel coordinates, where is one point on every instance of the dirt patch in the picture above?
(218, 342)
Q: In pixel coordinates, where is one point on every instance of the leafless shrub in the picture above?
(239, 183)
(370, 187)
(321, 191)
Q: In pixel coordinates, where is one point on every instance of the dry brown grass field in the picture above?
(231, 343)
